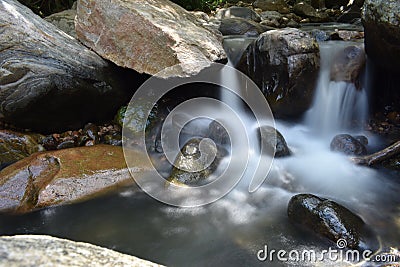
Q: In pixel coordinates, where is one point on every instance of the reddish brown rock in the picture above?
(64, 176)
(147, 36)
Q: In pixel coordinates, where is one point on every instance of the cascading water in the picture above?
(337, 103)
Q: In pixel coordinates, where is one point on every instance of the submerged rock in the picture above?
(348, 65)
(272, 140)
(348, 145)
(284, 64)
(41, 250)
(48, 80)
(218, 133)
(16, 146)
(196, 162)
(63, 176)
(148, 36)
(331, 220)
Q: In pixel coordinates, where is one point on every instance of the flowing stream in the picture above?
(232, 230)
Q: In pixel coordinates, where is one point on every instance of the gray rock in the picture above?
(238, 26)
(42, 250)
(382, 32)
(331, 220)
(271, 19)
(64, 20)
(148, 36)
(348, 145)
(238, 12)
(284, 64)
(48, 80)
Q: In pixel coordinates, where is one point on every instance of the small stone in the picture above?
(66, 144)
(348, 145)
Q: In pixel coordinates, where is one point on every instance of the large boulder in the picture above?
(48, 80)
(64, 176)
(382, 45)
(382, 32)
(284, 64)
(148, 36)
(41, 250)
(331, 220)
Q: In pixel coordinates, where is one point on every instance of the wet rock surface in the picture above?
(273, 140)
(197, 161)
(331, 220)
(15, 146)
(48, 80)
(284, 64)
(162, 34)
(348, 145)
(64, 176)
(41, 250)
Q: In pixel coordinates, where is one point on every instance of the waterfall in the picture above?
(337, 104)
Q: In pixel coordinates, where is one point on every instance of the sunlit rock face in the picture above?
(148, 36)
(64, 176)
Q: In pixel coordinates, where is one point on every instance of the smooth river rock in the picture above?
(284, 63)
(64, 176)
(148, 36)
(43, 250)
(349, 145)
(331, 220)
(48, 80)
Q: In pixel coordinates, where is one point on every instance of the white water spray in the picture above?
(336, 103)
